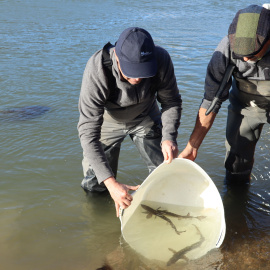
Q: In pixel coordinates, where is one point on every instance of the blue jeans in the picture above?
(146, 135)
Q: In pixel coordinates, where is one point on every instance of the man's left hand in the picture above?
(169, 150)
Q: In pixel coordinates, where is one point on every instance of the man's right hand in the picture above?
(119, 193)
(189, 153)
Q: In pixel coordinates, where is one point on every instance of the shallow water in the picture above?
(46, 220)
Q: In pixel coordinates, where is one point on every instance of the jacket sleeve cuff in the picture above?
(206, 104)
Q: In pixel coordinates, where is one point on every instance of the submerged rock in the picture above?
(23, 113)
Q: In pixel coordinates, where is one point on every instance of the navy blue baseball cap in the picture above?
(135, 50)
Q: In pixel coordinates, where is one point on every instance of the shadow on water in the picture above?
(23, 113)
(247, 243)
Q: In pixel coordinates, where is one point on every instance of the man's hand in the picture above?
(169, 150)
(119, 193)
(189, 153)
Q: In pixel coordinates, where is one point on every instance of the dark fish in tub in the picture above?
(181, 254)
(170, 214)
(105, 267)
(150, 212)
(23, 113)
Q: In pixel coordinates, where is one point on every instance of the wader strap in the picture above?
(253, 87)
(227, 76)
(107, 63)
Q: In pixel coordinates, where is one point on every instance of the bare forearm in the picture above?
(202, 126)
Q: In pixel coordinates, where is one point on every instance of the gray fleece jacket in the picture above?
(221, 58)
(124, 103)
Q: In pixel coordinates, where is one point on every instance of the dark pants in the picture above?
(145, 134)
(242, 134)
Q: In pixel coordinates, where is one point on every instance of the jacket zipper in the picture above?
(137, 96)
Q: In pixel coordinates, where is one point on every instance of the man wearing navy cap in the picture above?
(122, 101)
(246, 52)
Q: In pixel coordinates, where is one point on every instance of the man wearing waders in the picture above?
(120, 89)
(244, 52)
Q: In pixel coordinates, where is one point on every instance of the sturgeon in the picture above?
(158, 213)
(23, 113)
(182, 252)
(170, 214)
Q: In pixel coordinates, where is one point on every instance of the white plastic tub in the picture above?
(177, 214)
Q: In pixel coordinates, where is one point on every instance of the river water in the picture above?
(46, 219)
